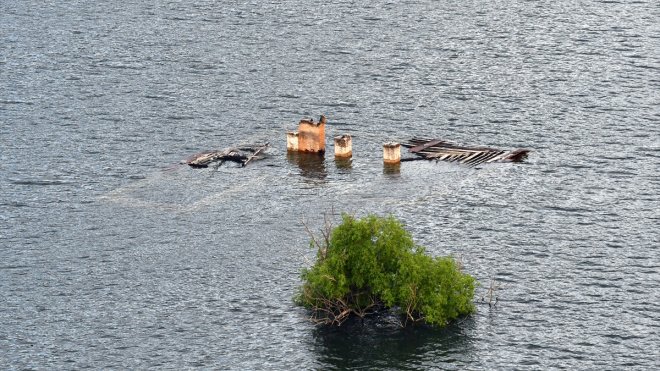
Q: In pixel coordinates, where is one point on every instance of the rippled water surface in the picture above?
(113, 255)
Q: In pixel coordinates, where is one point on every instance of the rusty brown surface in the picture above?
(311, 135)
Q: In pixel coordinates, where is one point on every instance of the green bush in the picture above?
(370, 264)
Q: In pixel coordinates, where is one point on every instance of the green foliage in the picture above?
(370, 264)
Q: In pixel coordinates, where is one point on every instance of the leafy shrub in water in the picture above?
(370, 264)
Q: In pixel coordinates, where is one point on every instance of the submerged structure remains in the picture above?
(310, 137)
(241, 155)
(391, 153)
(343, 146)
(443, 150)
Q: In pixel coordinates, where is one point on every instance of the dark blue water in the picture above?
(112, 255)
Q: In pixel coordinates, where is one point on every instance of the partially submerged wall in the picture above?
(311, 136)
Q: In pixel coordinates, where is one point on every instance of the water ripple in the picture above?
(116, 256)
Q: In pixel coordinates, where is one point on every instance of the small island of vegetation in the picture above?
(370, 265)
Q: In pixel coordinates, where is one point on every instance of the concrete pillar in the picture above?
(292, 141)
(343, 146)
(392, 153)
(311, 136)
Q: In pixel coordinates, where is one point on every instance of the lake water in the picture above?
(115, 256)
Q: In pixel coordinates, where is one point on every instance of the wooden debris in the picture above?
(442, 150)
(242, 155)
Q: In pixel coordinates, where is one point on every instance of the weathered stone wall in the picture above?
(311, 135)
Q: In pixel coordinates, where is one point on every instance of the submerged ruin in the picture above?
(310, 136)
(444, 150)
(241, 155)
(310, 139)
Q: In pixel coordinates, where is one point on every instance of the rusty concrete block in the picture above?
(292, 141)
(392, 153)
(311, 135)
(344, 146)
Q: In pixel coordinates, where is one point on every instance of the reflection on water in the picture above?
(311, 165)
(374, 343)
(393, 170)
(344, 163)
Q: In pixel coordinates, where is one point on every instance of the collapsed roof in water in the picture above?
(242, 155)
(443, 150)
